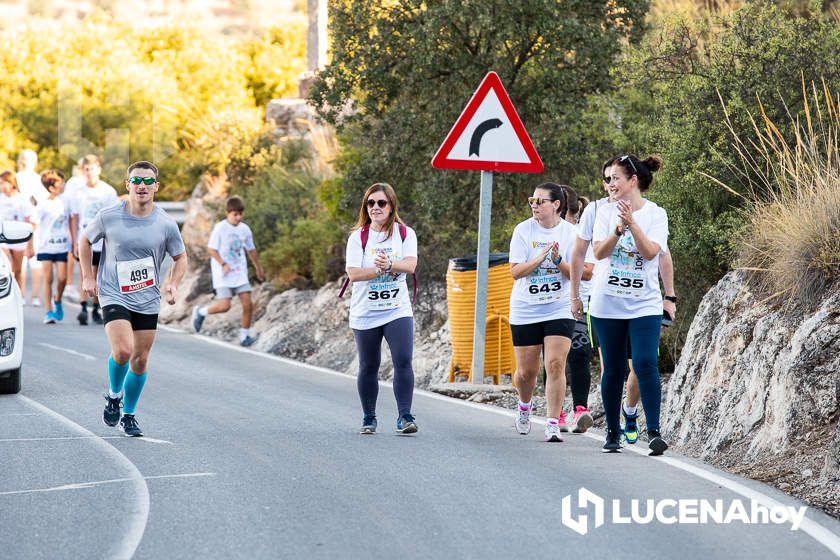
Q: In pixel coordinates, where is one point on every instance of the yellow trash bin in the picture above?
(460, 301)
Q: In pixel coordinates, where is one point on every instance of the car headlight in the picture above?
(5, 285)
(7, 341)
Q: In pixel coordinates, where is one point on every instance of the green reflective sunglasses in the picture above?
(137, 180)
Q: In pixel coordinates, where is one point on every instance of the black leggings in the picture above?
(580, 356)
(399, 334)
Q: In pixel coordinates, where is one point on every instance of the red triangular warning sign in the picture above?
(489, 136)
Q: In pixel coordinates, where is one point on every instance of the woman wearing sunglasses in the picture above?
(540, 315)
(381, 251)
(630, 235)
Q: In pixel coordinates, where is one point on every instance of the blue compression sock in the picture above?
(116, 375)
(133, 388)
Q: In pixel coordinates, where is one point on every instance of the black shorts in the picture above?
(96, 255)
(139, 321)
(533, 334)
(53, 257)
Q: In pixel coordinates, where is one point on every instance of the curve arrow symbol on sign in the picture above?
(480, 131)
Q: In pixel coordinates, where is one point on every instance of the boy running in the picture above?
(230, 240)
(137, 236)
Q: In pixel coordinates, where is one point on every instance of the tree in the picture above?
(402, 71)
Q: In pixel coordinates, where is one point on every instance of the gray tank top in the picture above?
(132, 254)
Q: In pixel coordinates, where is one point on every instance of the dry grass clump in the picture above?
(790, 244)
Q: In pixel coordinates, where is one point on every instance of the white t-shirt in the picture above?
(585, 287)
(89, 201)
(385, 298)
(17, 209)
(544, 294)
(232, 243)
(586, 225)
(626, 285)
(30, 185)
(53, 219)
(73, 186)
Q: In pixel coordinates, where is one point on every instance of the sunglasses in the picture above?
(537, 201)
(622, 159)
(381, 203)
(145, 180)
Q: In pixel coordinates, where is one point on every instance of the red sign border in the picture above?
(490, 81)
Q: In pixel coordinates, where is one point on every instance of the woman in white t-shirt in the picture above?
(540, 313)
(629, 236)
(381, 252)
(15, 207)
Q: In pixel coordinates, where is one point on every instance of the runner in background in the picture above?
(580, 354)
(55, 241)
(15, 207)
(71, 189)
(95, 196)
(230, 241)
(29, 182)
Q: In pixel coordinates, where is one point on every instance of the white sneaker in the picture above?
(36, 302)
(522, 421)
(552, 432)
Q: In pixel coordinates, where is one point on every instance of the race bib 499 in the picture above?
(136, 275)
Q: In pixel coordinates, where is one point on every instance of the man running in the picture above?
(89, 200)
(137, 235)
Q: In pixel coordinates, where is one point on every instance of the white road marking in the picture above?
(137, 513)
(20, 414)
(816, 531)
(83, 485)
(69, 351)
(144, 438)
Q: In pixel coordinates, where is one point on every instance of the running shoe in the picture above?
(368, 424)
(613, 443)
(582, 420)
(631, 428)
(406, 424)
(129, 425)
(197, 319)
(59, 311)
(97, 318)
(552, 432)
(561, 420)
(248, 341)
(82, 317)
(36, 302)
(656, 444)
(111, 414)
(49, 318)
(522, 421)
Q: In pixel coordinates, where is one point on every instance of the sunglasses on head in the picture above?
(381, 203)
(537, 201)
(622, 159)
(145, 180)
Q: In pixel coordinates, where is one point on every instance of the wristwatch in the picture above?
(672, 299)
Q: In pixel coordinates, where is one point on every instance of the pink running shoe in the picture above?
(561, 421)
(582, 420)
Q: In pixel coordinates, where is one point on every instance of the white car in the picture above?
(11, 311)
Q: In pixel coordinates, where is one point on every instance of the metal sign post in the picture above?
(483, 261)
(487, 137)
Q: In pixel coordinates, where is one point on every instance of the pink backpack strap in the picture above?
(363, 234)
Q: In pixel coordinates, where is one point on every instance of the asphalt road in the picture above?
(251, 456)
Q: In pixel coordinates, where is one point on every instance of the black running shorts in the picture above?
(139, 321)
(533, 334)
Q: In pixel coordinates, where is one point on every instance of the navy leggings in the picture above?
(643, 333)
(399, 334)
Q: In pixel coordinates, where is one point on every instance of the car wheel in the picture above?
(10, 381)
